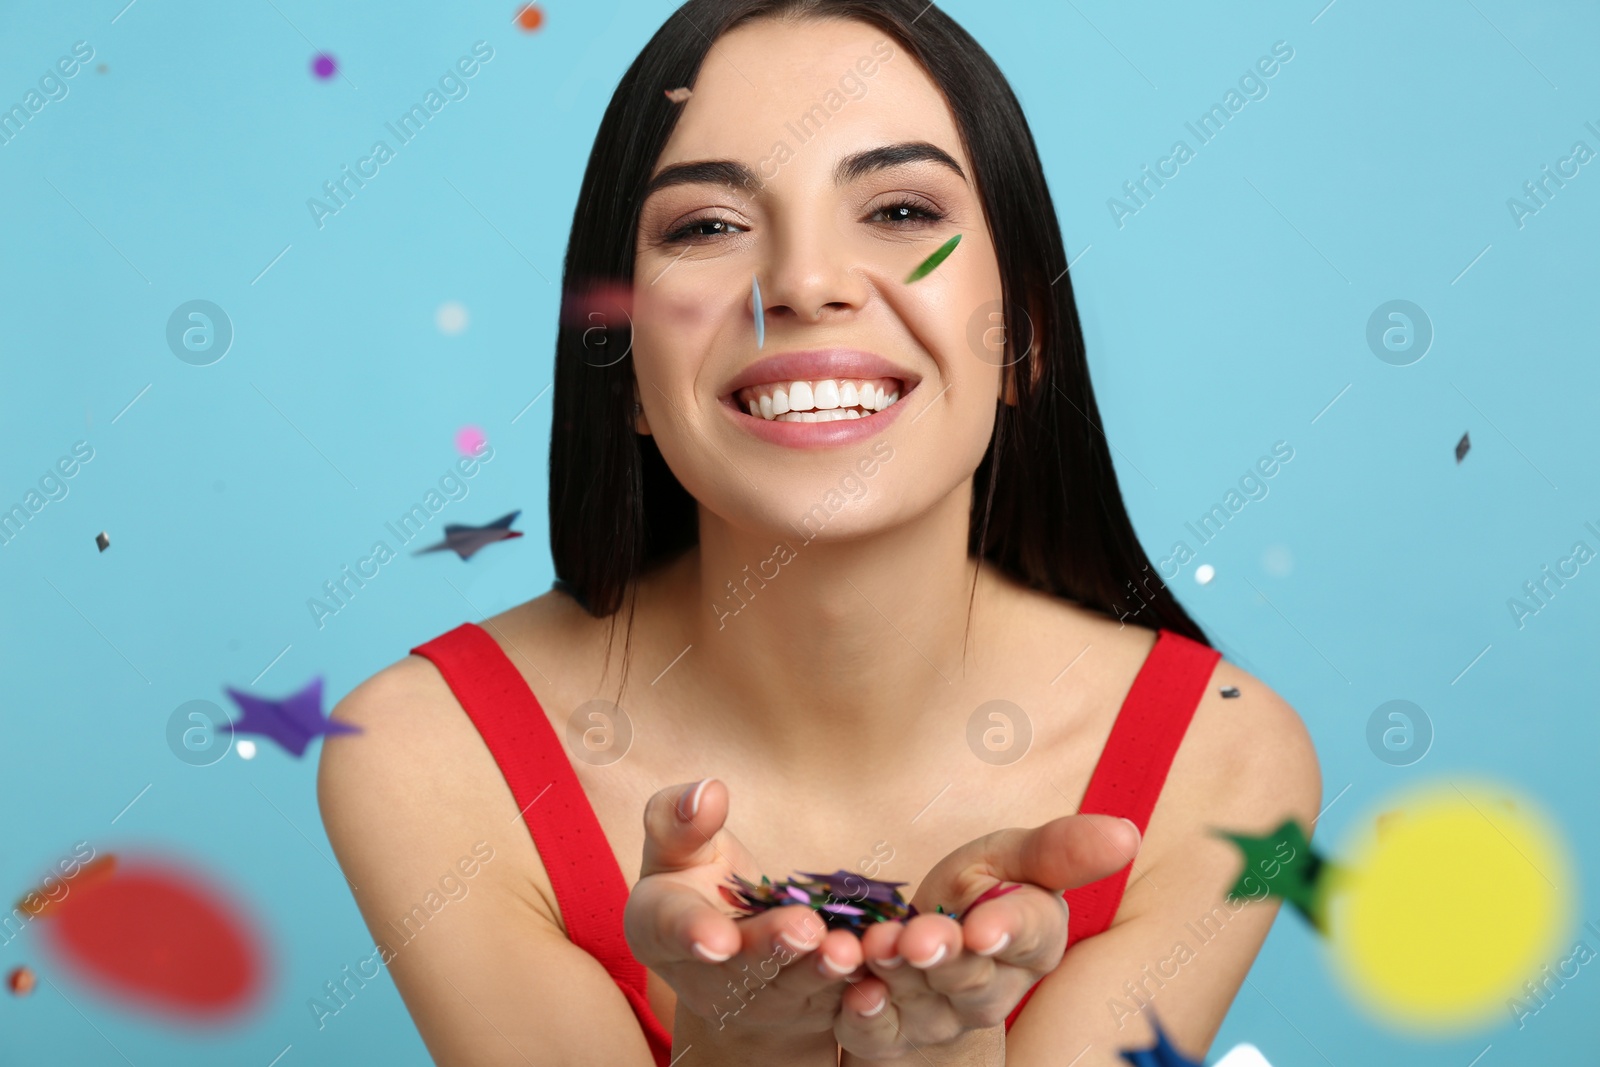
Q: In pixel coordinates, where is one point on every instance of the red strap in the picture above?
(1133, 767)
(589, 887)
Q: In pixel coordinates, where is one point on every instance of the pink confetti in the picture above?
(470, 440)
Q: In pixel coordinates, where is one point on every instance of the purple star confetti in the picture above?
(843, 900)
(291, 722)
(464, 540)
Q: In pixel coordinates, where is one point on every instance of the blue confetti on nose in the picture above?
(761, 316)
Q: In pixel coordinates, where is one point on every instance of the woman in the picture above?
(885, 630)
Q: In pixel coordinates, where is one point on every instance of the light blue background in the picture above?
(1224, 316)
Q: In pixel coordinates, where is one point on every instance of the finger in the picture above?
(679, 825)
(668, 921)
(868, 1023)
(1025, 928)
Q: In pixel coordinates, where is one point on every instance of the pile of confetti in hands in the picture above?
(844, 900)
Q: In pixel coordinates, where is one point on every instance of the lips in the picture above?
(818, 364)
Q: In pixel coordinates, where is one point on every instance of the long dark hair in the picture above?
(1051, 512)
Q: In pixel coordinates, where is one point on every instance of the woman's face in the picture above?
(852, 157)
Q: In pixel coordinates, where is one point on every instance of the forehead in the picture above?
(808, 93)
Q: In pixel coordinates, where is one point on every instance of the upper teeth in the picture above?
(823, 400)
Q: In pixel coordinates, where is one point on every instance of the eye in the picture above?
(686, 231)
(906, 213)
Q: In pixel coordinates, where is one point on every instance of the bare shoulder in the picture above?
(417, 787)
(1247, 760)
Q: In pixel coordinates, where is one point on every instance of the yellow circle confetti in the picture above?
(1440, 918)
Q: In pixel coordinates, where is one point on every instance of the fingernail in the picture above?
(834, 968)
(706, 954)
(1139, 836)
(892, 962)
(1005, 939)
(689, 802)
(870, 1012)
(931, 960)
(789, 938)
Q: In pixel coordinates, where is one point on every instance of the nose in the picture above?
(808, 278)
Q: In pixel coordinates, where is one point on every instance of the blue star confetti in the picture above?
(291, 722)
(1162, 1054)
(465, 540)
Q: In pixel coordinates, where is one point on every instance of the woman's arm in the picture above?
(1178, 948)
(411, 805)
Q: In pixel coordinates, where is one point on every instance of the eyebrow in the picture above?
(850, 168)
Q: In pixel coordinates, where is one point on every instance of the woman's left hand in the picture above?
(932, 980)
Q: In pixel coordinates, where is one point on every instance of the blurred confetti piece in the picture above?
(678, 96)
(324, 66)
(21, 981)
(583, 303)
(470, 440)
(1462, 447)
(465, 540)
(929, 265)
(246, 749)
(1284, 862)
(1204, 573)
(40, 901)
(1230, 692)
(1452, 912)
(451, 317)
(291, 722)
(530, 17)
(761, 314)
(103, 541)
(1246, 1055)
(158, 936)
(1161, 1054)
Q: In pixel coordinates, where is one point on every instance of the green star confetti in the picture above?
(1285, 863)
(928, 265)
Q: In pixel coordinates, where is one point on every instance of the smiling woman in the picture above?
(781, 331)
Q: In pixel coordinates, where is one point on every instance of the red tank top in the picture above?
(588, 884)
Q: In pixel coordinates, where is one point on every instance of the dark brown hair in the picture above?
(1046, 505)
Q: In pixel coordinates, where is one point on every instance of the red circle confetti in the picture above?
(530, 17)
(159, 936)
(21, 981)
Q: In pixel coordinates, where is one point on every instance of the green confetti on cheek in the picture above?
(932, 262)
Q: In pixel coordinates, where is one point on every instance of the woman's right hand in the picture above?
(788, 968)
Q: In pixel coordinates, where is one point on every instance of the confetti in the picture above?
(21, 981)
(1162, 1054)
(451, 318)
(465, 540)
(1242, 1055)
(1462, 447)
(530, 17)
(932, 262)
(291, 722)
(470, 440)
(843, 900)
(324, 66)
(157, 936)
(583, 303)
(1451, 914)
(103, 541)
(761, 314)
(1229, 692)
(678, 96)
(1204, 573)
(1298, 877)
(95, 870)
(246, 749)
